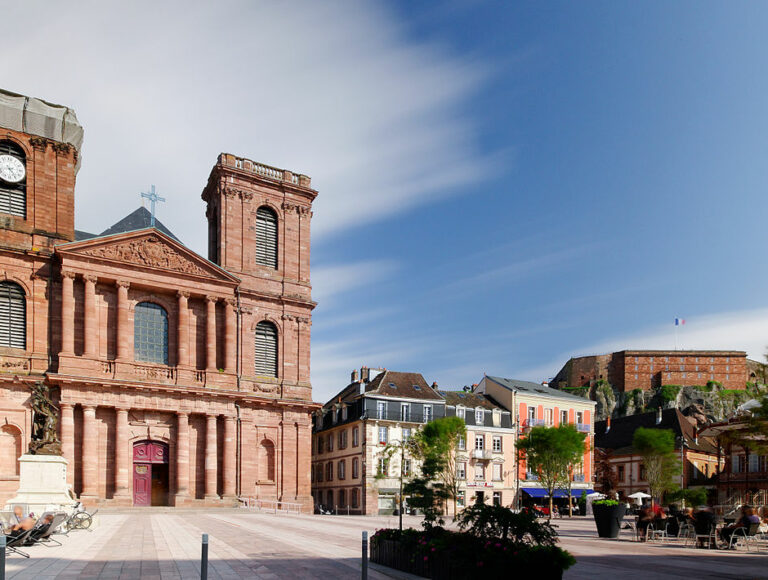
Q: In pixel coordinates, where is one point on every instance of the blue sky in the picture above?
(502, 184)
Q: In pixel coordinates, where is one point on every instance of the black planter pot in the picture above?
(608, 519)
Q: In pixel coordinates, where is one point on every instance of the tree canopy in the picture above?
(550, 452)
(657, 448)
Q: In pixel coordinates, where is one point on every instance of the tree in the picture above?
(404, 449)
(436, 445)
(657, 448)
(606, 479)
(551, 452)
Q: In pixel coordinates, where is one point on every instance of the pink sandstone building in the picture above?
(180, 380)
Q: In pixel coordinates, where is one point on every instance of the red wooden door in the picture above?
(146, 453)
(142, 484)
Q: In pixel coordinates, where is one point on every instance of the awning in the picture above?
(535, 491)
(574, 492)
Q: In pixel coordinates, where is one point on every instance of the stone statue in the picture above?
(45, 440)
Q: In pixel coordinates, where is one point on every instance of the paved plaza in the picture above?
(156, 544)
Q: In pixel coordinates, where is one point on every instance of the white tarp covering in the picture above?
(37, 117)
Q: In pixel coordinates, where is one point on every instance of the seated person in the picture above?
(644, 519)
(40, 528)
(703, 523)
(747, 518)
(763, 514)
(25, 524)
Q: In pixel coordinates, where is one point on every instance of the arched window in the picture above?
(266, 349)
(266, 237)
(13, 316)
(13, 179)
(150, 333)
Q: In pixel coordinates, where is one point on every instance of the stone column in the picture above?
(230, 457)
(91, 317)
(182, 457)
(211, 457)
(210, 333)
(90, 459)
(123, 459)
(182, 325)
(122, 321)
(230, 331)
(68, 438)
(67, 313)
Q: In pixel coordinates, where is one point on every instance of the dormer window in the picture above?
(461, 412)
(479, 414)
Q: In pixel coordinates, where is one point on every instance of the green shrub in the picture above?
(714, 385)
(607, 502)
(491, 521)
(668, 393)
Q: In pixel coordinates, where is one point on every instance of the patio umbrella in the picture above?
(639, 496)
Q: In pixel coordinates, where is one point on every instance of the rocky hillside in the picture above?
(704, 403)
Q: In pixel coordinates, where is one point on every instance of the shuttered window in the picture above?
(266, 237)
(150, 333)
(266, 349)
(13, 316)
(13, 196)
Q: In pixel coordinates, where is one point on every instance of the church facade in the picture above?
(180, 380)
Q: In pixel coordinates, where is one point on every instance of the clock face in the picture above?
(11, 169)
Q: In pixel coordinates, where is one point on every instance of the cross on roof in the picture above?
(153, 198)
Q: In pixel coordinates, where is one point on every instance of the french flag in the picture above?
(679, 321)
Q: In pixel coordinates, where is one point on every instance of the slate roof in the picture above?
(136, 220)
(397, 384)
(471, 400)
(527, 387)
(619, 438)
(81, 235)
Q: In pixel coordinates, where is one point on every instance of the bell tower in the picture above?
(259, 230)
(39, 158)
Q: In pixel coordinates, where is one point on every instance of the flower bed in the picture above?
(445, 555)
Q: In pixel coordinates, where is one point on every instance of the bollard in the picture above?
(365, 555)
(203, 559)
(2, 556)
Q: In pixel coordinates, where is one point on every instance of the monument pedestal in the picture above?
(42, 483)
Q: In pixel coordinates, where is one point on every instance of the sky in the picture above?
(502, 185)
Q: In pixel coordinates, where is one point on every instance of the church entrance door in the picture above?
(150, 473)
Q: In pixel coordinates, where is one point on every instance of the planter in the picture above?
(608, 519)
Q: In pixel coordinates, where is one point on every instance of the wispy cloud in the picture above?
(328, 282)
(331, 89)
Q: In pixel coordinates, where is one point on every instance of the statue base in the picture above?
(42, 484)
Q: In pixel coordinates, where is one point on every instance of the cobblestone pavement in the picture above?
(165, 544)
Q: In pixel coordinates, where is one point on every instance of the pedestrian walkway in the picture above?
(162, 545)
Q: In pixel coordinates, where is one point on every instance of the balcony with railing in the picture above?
(579, 478)
(582, 427)
(385, 415)
(531, 476)
(484, 454)
(536, 423)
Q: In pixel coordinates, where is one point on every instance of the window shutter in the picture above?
(266, 237)
(13, 316)
(266, 350)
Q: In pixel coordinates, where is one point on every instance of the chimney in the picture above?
(434, 385)
(544, 384)
(608, 424)
(658, 416)
(355, 377)
(696, 435)
(365, 374)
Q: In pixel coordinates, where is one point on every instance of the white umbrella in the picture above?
(639, 496)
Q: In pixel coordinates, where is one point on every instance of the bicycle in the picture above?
(79, 519)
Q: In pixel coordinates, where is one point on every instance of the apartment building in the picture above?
(535, 405)
(698, 454)
(350, 471)
(486, 456)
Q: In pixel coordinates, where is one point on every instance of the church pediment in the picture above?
(148, 249)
